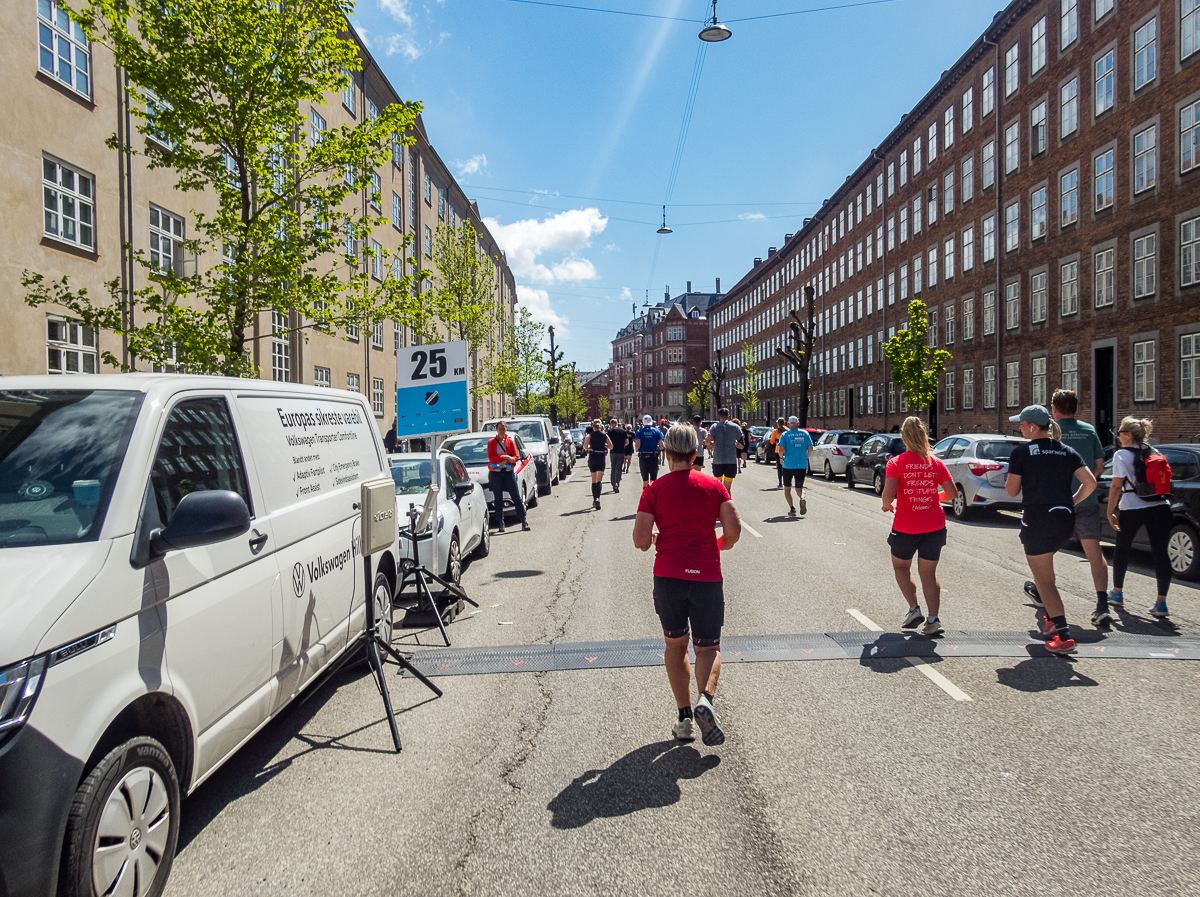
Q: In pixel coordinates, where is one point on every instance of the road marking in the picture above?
(755, 533)
(922, 667)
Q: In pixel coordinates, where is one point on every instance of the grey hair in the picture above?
(681, 441)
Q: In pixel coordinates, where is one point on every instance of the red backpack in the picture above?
(1152, 474)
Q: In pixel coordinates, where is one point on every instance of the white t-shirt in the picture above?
(1123, 467)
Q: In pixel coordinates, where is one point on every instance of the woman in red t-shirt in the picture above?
(917, 483)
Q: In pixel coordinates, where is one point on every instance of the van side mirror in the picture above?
(202, 518)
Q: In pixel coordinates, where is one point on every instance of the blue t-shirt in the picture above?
(650, 438)
(795, 444)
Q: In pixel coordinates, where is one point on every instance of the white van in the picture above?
(179, 558)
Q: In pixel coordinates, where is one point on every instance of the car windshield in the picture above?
(473, 451)
(60, 453)
(996, 450)
(412, 476)
(529, 430)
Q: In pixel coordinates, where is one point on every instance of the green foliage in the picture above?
(464, 284)
(223, 89)
(696, 401)
(518, 370)
(604, 405)
(751, 377)
(909, 353)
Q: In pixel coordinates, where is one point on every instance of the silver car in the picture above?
(978, 464)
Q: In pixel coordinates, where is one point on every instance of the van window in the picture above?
(198, 451)
(60, 453)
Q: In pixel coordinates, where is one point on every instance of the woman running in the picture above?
(689, 597)
(598, 445)
(745, 442)
(1040, 472)
(917, 483)
(1137, 511)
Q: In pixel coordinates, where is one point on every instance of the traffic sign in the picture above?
(431, 390)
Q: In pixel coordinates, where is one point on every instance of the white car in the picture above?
(541, 439)
(462, 526)
(471, 449)
(832, 451)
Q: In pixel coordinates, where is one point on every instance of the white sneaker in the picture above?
(706, 719)
(913, 618)
(683, 730)
(933, 626)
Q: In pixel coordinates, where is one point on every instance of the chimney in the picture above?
(771, 251)
(718, 284)
(689, 289)
(757, 262)
(667, 294)
(787, 237)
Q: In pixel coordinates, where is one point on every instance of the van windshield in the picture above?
(60, 453)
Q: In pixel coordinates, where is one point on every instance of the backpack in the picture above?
(1152, 474)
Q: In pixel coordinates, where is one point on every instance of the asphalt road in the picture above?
(847, 776)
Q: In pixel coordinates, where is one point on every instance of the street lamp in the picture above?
(714, 31)
(664, 229)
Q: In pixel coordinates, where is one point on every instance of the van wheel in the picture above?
(382, 596)
(959, 506)
(878, 483)
(828, 472)
(484, 548)
(123, 824)
(1182, 551)
(454, 561)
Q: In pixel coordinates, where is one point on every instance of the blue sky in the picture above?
(563, 125)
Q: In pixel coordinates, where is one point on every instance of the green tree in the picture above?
(699, 395)
(464, 292)
(915, 366)
(750, 377)
(518, 370)
(603, 407)
(219, 86)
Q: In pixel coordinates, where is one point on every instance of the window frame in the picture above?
(73, 35)
(78, 200)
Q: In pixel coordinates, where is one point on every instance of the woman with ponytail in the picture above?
(599, 445)
(916, 485)
(1128, 512)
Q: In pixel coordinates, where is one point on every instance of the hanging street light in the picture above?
(664, 229)
(714, 31)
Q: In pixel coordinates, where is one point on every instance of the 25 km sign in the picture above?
(431, 390)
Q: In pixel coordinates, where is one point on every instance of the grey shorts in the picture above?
(1087, 522)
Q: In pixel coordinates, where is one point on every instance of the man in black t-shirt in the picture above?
(618, 435)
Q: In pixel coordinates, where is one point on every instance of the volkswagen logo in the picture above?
(135, 838)
(298, 580)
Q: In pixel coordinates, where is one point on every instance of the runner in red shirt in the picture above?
(917, 483)
(688, 590)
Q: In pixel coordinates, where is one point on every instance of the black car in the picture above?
(868, 462)
(1183, 547)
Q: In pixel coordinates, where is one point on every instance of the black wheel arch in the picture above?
(159, 716)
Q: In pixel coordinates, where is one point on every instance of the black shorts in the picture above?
(1044, 530)
(797, 473)
(648, 463)
(725, 470)
(595, 462)
(927, 546)
(679, 602)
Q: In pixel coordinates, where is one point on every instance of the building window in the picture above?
(70, 347)
(1012, 226)
(904, 283)
(948, 192)
(1037, 129)
(989, 238)
(989, 386)
(891, 178)
(918, 271)
(949, 391)
(1104, 82)
(1012, 306)
(933, 266)
(1037, 213)
(1189, 134)
(968, 248)
(1012, 72)
(348, 96)
(63, 49)
(397, 212)
(968, 107)
(376, 260)
(377, 335)
(1038, 298)
(989, 312)
(1143, 160)
(1068, 23)
(68, 204)
(1145, 60)
(1103, 7)
(1069, 288)
(949, 325)
(968, 178)
(1145, 266)
(166, 230)
(1104, 180)
(1012, 386)
(948, 258)
(1037, 49)
(1069, 108)
(891, 396)
(1103, 288)
(916, 165)
(1037, 382)
(441, 202)
(316, 126)
(903, 167)
(1189, 28)
(989, 164)
(968, 389)
(1189, 252)
(1189, 366)
(932, 140)
(377, 396)
(352, 382)
(428, 189)
(1012, 148)
(948, 128)
(321, 377)
(989, 91)
(1069, 204)
(428, 242)
(1068, 370)
(968, 319)
(904, 224)
(281, 350)
(1143, 371)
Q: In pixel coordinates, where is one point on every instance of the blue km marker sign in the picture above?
(431, 390)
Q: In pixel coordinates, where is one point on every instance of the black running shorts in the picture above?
(1045, 530)
(679, 602)
(725, 470)
(927, 546)
(797, 473)
(595, 462)
(649, 465)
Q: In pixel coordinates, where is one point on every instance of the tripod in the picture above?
(422, 578)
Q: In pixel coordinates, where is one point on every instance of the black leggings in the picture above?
(1158, 527)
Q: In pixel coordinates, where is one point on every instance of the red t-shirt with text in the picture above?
(918, 508)
(685, 505)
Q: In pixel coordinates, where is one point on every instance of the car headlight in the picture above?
(441, 522)
(19, 687)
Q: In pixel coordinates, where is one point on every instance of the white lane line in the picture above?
(924, 668)
(755, 533)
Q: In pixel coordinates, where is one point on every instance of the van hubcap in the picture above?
(132, 835)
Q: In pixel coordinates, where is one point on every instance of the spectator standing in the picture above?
(725, 441)
(389, 439)
(793, 449)
(502, 460)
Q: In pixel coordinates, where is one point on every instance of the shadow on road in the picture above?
(782, 518)
(586, 510)
(619, 519)
(1042, 674)
(518, 574)
(643, 779)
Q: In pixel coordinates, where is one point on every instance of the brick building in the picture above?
(595, 385)
(1043, 200)
(658, 354)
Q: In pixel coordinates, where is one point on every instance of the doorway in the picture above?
(1103, 368)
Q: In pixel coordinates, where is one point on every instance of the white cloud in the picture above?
(403, 44)
(567, 233)
(398, 10)
(626, 295)
(538, 303)
(752, 216)
(474, 165)
(612, 247)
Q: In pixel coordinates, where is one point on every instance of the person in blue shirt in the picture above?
(795, 445)
(647, 442)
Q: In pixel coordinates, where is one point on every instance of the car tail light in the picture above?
(982, 469)
(836, 450)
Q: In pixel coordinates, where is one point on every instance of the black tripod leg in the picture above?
(423, 585)
(451, 588)
(412, 669)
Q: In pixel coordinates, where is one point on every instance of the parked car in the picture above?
(181, 561)
(1183, 547)
(831, 451)
(471, 449)
(978, 464)
(462, 524)
(541, 439)
(757, 436)
(566, 453)
(577, 440)
(868, 463)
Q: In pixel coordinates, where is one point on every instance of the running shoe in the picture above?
(913, 618)
(1160, 610)
(1032, 592)
(803, 507)
(1116, 599)
(683, 730)
(1102, 617)
(791, 512)
(706, 719)
(933, 626)
(616, 488)
(1060, 645)
(1049, 630)
(596, 504)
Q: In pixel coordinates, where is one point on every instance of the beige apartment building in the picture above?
(64, 97)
